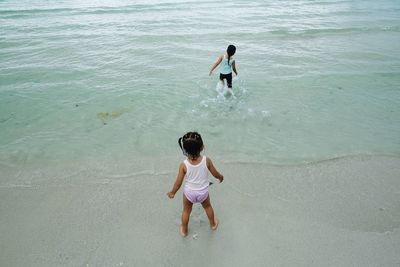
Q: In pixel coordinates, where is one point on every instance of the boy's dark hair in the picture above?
(191, 144)
(230, 51)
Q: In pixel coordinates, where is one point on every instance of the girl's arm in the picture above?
(234, 67)
(178, 182)
(219, 59)
(214, 171)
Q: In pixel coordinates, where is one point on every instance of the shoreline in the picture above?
(166, 162)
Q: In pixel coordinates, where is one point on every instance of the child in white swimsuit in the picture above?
(194, 170)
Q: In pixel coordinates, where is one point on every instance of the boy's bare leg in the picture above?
(210, 213)
(187, 209)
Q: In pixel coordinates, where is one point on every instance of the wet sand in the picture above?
(341, 212)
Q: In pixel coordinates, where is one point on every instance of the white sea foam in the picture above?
(223, 90)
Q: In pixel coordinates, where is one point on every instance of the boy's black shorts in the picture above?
(228, 78)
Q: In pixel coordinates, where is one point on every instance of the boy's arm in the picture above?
(178, 182)
(214, 171)
(215, 64)
(234, 67)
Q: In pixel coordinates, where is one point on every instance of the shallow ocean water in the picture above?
(107, 82)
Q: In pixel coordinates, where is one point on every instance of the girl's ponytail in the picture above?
(230, 51)
(181, 144)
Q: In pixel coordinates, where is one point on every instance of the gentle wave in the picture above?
(335, 31)
(84, 31)
(98, 10)
(281, 163)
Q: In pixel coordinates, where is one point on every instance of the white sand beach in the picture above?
(341, 212)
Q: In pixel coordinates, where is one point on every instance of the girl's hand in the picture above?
(170, 195)
(210, 73)
(221, 178)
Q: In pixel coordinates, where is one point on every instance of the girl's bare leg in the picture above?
(187, 209)
(210, 213)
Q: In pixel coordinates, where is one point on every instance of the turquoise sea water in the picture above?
(109, 81)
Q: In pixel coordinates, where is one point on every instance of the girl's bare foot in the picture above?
(214, 227)
(183, 232)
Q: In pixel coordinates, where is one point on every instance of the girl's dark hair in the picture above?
(191, 144)
(230, 51)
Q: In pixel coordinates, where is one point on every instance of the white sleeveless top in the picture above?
(225, 67)
(196, 177)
